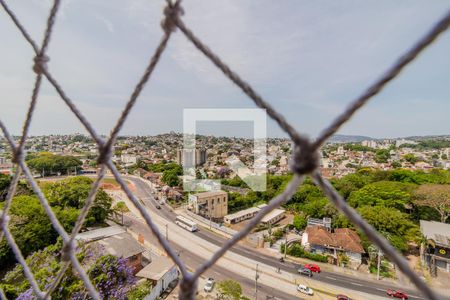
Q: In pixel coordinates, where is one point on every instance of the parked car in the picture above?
(397, 294)
(305, 290)
(342, 297)
(305, 271)
(312, 267)
(209, 285)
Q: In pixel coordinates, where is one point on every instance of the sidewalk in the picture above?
(244, 267)
(329, 267)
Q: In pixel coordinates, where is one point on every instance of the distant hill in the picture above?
(341, 138)
(428, 137)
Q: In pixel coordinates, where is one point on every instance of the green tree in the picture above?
(44, 264)
(31, 227)
(73, 192)
(315, 207)
(121, 207)
(383, 193)
(396, 164)
(350, 183)
(436, 196)
(382, 155)
(47, 163)
(5, 181)
(411, 158)
(299, 221)
(140, 291)
(111, 276)
(391, 222)
(170, 178)
(229, 289)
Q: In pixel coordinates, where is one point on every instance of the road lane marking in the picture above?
(354, 283)
(383, 290)
(331, 277)
(231, 259)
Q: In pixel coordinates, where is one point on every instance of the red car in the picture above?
(312, 267)
(397, 294)
(342, 297)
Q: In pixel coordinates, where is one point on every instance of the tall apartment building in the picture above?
(211, 205)
(191, 157)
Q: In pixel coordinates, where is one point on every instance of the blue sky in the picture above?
(309, 59)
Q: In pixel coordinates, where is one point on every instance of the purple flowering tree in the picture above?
(112, 277)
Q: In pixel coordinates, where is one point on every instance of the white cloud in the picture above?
(308, 59)
(108, 24)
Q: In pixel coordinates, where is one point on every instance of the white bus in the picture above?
(186, 223)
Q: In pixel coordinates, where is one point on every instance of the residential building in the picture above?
(273, 217)
(317, 239)
(128, 159)
(115, 241)
(241, 215)
(191, 157)
(436, 252)
(325, 222)
(212, 205)
(162, 273)
(5, 166)
(369, 143)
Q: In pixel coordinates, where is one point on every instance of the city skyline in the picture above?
(293, 69)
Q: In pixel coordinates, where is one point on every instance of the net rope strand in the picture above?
(304, 160)
(371, 233)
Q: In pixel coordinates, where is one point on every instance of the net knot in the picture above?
(17, 155)
(171, 12)
(66, 250)
(40, 63)
(105, 154)
(188, 288)
(305, 159)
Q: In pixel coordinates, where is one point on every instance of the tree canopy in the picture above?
(230, 289)
(30, 225)
(436, 196)
(111, 276)
(47, 163)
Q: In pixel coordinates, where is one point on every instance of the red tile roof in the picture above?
(343, 238)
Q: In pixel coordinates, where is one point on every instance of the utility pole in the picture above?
(285, 246)
(256, 283)
(210, 214)
(379, 263)
(167, 232)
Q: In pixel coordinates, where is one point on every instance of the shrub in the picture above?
(298, 251)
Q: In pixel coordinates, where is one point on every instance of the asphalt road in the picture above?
(336, 279)
(218, 273)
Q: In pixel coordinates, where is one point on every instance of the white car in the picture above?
(209, 285)
(305, 290)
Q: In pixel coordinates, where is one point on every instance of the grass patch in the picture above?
(110, 181)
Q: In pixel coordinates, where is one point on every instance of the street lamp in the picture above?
(256, 282)
(285, 245)
(167, 232)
